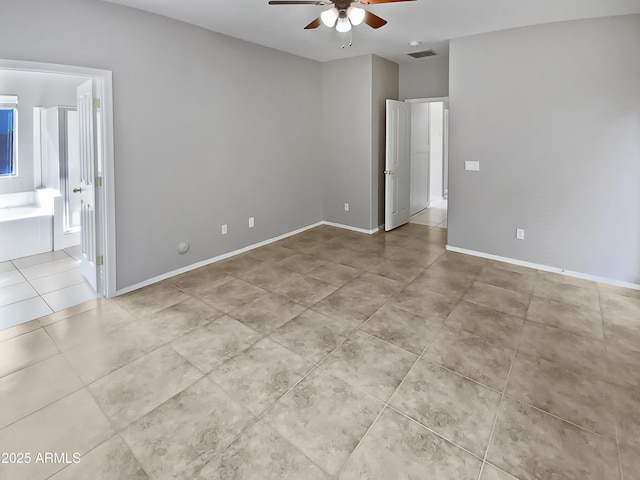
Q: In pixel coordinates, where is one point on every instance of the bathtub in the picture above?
(26, 223)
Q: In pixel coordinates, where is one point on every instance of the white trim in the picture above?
(545, 268)
(108, 188)
(444, 100)
(108, 226)
(209, 261)
(354, 229)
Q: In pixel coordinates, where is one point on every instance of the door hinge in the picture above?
(100, 260)
(96, 103)
(98, 182)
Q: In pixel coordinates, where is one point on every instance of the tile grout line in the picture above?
(82, 385)
(472, 380)
(615, 423)
(29, 281)
(564, 420)
(361, 441)
(501, 402)
(419, 358)
(525, 320)
(275, 432)
(615, 395)
(26, 280)
(533, 406)
(615, 399)
(526, 355)
(263, 414)
(116, 434)
(20, 301)
(44, 406)
(437, 434)
(37, 319)
(473, 279)
(359, 329)
(386, 404)
(317, 366)
(86, 385)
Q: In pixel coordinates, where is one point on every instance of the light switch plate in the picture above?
(520, 233)
(473, 166)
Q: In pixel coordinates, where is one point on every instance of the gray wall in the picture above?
(208, 129)
(33, 90)
(424, 77)
(385, 86)
(552, 113)
(354, 93)
(347, 140)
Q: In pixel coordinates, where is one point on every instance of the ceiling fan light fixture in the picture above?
(329, 17)
(356, 15)
(343, 25)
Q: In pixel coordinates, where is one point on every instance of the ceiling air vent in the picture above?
(423, 53)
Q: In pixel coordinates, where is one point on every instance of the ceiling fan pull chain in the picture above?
(343, 37)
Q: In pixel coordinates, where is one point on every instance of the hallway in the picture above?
(434, 216)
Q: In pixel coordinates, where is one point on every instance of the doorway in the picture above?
(429, 161)
(41, 273)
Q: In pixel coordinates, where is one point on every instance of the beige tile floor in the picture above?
(434, 216)
(332, 354)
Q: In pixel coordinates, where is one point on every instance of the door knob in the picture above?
(76, 190)
(389, 172)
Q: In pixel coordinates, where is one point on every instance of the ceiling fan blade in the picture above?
(297, 2)
(314, 24)
(374, 2)
(373, 21)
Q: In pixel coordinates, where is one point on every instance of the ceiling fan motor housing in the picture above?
(343, 5)
(342, 15)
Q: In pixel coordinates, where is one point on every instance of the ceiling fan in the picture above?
(343, 14)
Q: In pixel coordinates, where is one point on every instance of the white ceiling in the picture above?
(431, 22)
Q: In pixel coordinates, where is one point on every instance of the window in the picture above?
(8, 134)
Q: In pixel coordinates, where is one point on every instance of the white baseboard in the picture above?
(545, 268)
(354, 229)
(215, 259)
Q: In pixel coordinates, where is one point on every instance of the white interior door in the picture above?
(398, 165)
(86, 191)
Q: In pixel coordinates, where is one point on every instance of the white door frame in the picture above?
(445, 138)
(106, 194)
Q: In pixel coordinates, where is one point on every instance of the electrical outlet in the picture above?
(520, 233)
(473, 166)
(251, 222)
(224, 229)
(346, 207)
